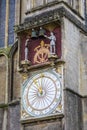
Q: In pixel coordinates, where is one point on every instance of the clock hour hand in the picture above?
(38, 87)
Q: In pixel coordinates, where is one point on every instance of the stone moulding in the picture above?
(49, 4)
(12, 103)
(3, 105)
(5, 51)
(48, 17)
(9, 51)
(51, 117)
(13, 49)
(39, 20)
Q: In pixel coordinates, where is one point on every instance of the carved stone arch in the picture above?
(13, 52)
(13, 49)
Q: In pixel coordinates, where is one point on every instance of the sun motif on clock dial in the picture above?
(42, 93)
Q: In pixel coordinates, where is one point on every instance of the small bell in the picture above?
(41, 32)
(33, 34)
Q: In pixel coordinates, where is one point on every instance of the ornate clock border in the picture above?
(58, 68)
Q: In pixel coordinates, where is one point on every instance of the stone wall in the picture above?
(73, 111)
(74, 52)
(83, 77)
(84, 113)
(2, 79)
(44, 125)
(83, 65)
(13, 117)
(71, 41)
(1, 118)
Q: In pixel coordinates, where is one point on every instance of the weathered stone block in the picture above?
(85, 113)
(14, 117)
(1, 118)
(45, 125)
(73, 111)
(71, 55)
(2, 79)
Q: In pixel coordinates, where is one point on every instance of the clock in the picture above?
(41, 94)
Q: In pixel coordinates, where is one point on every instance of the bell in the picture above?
(41, 32)
(33, 34)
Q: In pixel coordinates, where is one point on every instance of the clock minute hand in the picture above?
(42, 75)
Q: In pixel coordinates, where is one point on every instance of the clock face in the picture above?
(41, 93)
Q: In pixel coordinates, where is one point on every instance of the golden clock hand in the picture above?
(41, 86)
(38, 87)
(42, 75)
(40, 90)
(35, 82)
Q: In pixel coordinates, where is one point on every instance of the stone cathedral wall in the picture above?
(74, 53)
